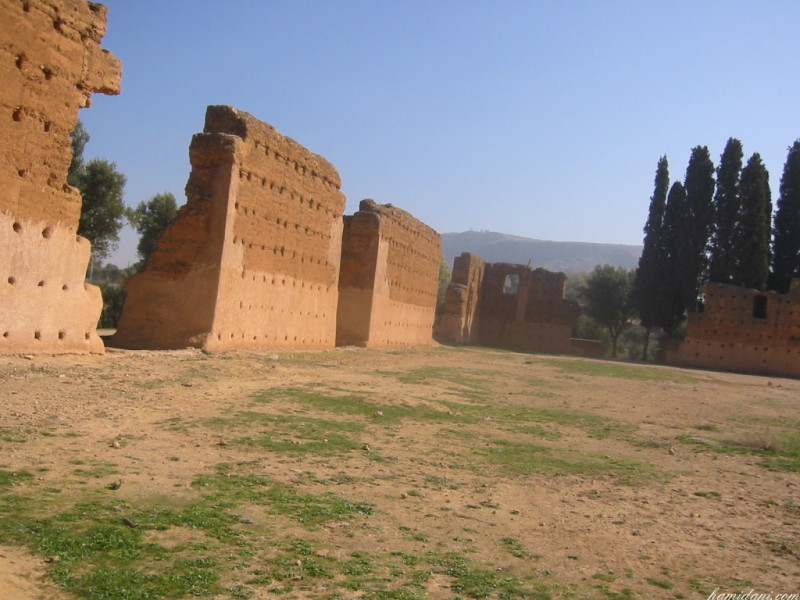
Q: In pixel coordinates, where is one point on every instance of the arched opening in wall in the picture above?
(759, 307)
(511, 284)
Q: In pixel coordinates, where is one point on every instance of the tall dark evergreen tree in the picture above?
(653, 260)
(726, 214)
(691, 259)
(752, 236)
(670, 304)
(786, 237)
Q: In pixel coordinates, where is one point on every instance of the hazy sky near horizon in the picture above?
(544, 119)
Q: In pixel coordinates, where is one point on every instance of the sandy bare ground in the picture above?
(575, 478)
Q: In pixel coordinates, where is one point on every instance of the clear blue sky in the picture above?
(537, 118)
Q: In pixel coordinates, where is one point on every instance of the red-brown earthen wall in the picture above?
(460, 322)
(389, 278)
(253, 258)
(743, 330)
(50, 63)
(509, 306)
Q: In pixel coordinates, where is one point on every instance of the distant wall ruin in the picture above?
(50, 63)
(252, 259)
(508, 306)
(389, 278)
(743, 330)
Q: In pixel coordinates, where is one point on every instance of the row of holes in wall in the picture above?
(298, 167)
(37, 335)
(285, 223)
(291, 313)
(417, 229)
(396, 285)
(281, 250)
(273, 281)
(429, 254)
(282, 189)
(271, 338)
(406, 264)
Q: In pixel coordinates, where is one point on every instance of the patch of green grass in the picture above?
(783, 547)
(664, 584)
(514, 548)
(9, 478)
(96, 469)
(525, 459)
(780, 450)
(103, 554)
(474, 385)
(11, 435)
(360, 406)
(626, 371)
(312, 510)
(711, 494)
(293, 434)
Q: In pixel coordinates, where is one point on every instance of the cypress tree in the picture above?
(751, 239)
(669, 301)
(691, 253)
(653, 259)
(786, 240)
(726, 213)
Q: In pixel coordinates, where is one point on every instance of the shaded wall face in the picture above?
(260, 235)
(389, 280)
(743, 330)
(526, 309)
(459, 322)
(507, 305)
(50, 63)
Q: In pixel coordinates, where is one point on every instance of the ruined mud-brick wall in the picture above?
(389, 278)
(508, 306)
(459, 322)
(50, 63)
(744, 330)
(525, 309)
(252, 260)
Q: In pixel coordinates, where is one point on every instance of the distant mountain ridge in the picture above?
(570, 257)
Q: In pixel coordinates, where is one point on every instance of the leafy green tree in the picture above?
(102, 188)
(752, 236)
(654, 261)
(102, 212)
(609, 300)
(726, 214)
(786, 237)
(151, 219)
(79, 138)
(691, 255)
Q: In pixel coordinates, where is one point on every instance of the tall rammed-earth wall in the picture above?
(509, 306)
(389, 278)
(50, 63)
(252, 259)
(743, 330)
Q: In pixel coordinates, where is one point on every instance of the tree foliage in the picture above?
(752, 235)
(697, 220)
(608, 299)
(102, 188)
(151, 219)
(786, 242)
(654, 260)
(669, 308)
(102, 212)
(726, 213)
